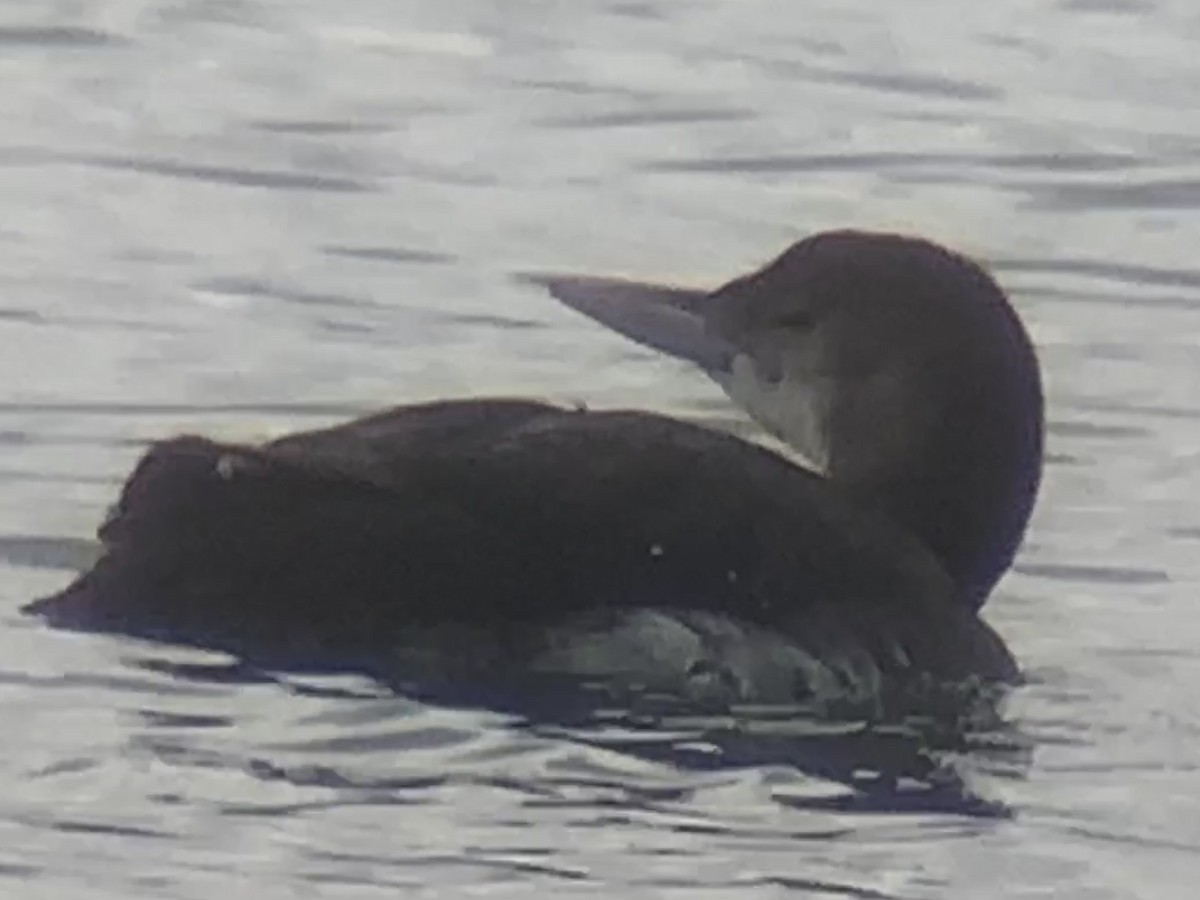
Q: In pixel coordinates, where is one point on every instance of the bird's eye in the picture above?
(796, 320)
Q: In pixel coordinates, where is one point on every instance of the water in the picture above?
(244, 217)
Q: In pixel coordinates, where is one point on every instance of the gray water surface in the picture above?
(241, 217)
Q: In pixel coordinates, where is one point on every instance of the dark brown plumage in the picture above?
(514, 519)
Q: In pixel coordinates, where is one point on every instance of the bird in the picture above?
(485, 536)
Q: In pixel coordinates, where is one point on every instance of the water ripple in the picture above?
(253, 287)
(1105, 270)
(229, 175)
(640, 118)
(894, 82)
(400, 255)
(1093, 574)
(1158, 193)
(39, 552)
(52, 36)
(896, 160)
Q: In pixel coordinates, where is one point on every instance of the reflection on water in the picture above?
(244, 218)
(920, 762)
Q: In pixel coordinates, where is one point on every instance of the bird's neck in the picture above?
(966, 482)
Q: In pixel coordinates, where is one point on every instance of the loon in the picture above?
(894, 367)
